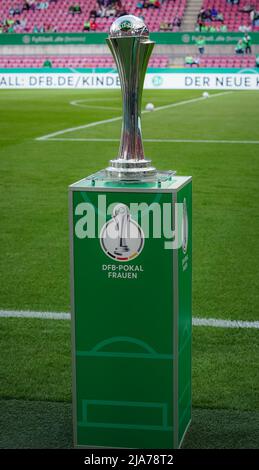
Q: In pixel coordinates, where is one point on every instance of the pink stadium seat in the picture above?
(103, 61)
(91, 61)
(227, 61)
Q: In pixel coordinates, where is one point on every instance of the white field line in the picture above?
(31, 314)
(213, 322)
(118, 118)
(218, 323)
(79, 104)
(96, 99)
(163, 141)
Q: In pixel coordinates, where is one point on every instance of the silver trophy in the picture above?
(131, 48)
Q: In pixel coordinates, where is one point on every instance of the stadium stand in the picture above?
(63, 61)
(104, 61)
(160, 15)
(234, 15)
(74, 16)
(59, 17)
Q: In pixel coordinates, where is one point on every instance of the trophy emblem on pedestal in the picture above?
(121, 237)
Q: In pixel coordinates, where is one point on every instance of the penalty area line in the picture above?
(212, 322)
(162, 141)
(118, 118)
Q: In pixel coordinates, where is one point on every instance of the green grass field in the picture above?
(35, 370)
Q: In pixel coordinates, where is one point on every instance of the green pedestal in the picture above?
(131, 315)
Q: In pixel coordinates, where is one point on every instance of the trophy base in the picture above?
(134, 171)
(137, 170)
(107, 176)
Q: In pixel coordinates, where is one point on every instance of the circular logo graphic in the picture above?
(126, 25)
(26, 39)
(185, 227)
(186, 38)
(157, 80)
(121, 238)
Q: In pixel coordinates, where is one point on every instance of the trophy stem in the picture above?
(131, 55)
(131, 146)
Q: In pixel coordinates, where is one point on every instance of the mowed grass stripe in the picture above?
(29, 423)
(36, 364)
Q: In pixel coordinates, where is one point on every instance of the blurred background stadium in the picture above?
(219, 25)
(51, 138)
